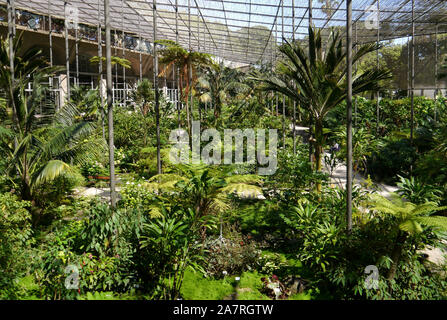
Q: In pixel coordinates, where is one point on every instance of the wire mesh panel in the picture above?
(242, 31)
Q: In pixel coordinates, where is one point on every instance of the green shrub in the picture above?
(15, 232)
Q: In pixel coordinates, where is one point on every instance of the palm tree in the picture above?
(218, 82)
(410, 219)
(25, 66)
(39, 146)
(320, 79)
(188, 63)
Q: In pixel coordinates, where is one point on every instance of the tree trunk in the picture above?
(396, 253)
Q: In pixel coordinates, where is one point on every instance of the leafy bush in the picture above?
(169, 245)
(231, 255)
(417, 192)
(394, 157)
(15, 232)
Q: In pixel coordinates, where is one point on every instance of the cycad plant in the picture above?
(206, 193)
(410, 219)
(317, 80)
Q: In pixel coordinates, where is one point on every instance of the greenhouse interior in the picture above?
(136, 164)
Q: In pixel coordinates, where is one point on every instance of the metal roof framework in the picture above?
(243, 30)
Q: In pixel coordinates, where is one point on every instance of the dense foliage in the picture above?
(197, 231)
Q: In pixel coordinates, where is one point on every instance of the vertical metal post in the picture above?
(50, 34)
(408, 67)
(436, 72)
(310, 14)
(310, 113)
(378, 66)
(157, 94)
(276, 52)
(205, 50)
(191, 108)
(283, 97)
(178, 93)
(198, 50)
(115, 45)
(349, 114)
(101, 98)
(123, 54)
(412, 73)
(11, 36)
(294, 102)
(139, 50)
(77, 55)
(110, 104)
(355, 71)
(67, 52)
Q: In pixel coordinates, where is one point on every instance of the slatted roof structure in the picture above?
(246, 31)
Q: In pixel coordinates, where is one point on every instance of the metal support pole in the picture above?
(349, 115)
(412, 73)
(139, 51)
(177, 69)
(294, 102)
(436, 72)
(378, 66)
(355, 72)
(11, 36)
(157, 94)
(50, 34)
(408, 67)
(276, 48)
(77, 55)
(310, 14)
(283, 97)
(198, 50)
(110, 104)
(67, 52)
(100, 91)
(310, 114)
(123, 54)
(116, 64)
(188, 99)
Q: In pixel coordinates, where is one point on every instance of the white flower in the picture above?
(237, 278)
(224, 272)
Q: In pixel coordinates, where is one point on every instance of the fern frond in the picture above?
(243, 190)
(244, 178)
(434, 221)
(412, 226)
(155, 211)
